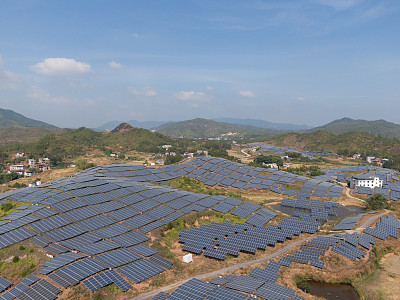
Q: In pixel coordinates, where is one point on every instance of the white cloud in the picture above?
(192, 96)
(61, 67)
(136, 35)
(301, 99)
(9, 80)
(146, 91)
(209, 88)
(248, 94)
(115, 65)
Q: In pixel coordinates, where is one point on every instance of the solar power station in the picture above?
(261, 283)
(94, 223)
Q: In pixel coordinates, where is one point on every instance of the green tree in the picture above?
(268, 159)
(377, 202)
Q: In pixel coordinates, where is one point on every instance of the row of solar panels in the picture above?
(218, 240)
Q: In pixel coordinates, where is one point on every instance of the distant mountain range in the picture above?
(9, 118)
(264, 124)
(380, 128)
(203, 128)
(236, 121)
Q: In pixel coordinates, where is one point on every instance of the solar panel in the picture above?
(41, 290)
(96, 222)
(140, 270)
(113, 230)
(4, 284)
(130, 239)
(84, 268)
(118, 257)
(104, 279)
(63, 279)
(144, 250)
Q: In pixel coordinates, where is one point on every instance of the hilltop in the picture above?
(9, 118)
(204, 128)
(380, 128)
(145, 124)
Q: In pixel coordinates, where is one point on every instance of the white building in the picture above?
(19, 169)
(19, 154)
(369, 159)
(188, 258)
(365, 180)
(31, 162)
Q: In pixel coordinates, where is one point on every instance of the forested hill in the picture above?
(345, 143)
(78, 142)
(203, 128)
(9, 118)
(18, 135)
(380, 128)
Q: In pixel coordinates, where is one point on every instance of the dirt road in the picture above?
(350, 196)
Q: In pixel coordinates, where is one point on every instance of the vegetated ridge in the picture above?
(204, 128)
(58, 147)
(9, 118)
(380, 128)
(346, 143)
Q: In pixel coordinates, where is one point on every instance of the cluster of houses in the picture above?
(29, 168)
(371, 159)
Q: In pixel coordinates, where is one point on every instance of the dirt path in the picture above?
(245, 154)
(350, 196)
(222, 271)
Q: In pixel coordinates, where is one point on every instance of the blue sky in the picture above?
(84, 63)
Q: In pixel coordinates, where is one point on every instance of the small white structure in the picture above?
(38, 183)
(369, 159)
(188, 258)
(20, 154)
(365, 180)
(31, 185)
(114, 155)
(31, 162)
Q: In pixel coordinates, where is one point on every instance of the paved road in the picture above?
(279, 252)
(222, 271)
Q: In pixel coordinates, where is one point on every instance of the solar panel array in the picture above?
(387, 227)
(349, 222)
(217, 240)
(260, 282)
(319, 209)
(282, 150)
(104, 211)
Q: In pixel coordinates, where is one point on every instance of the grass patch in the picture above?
(192, 185)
